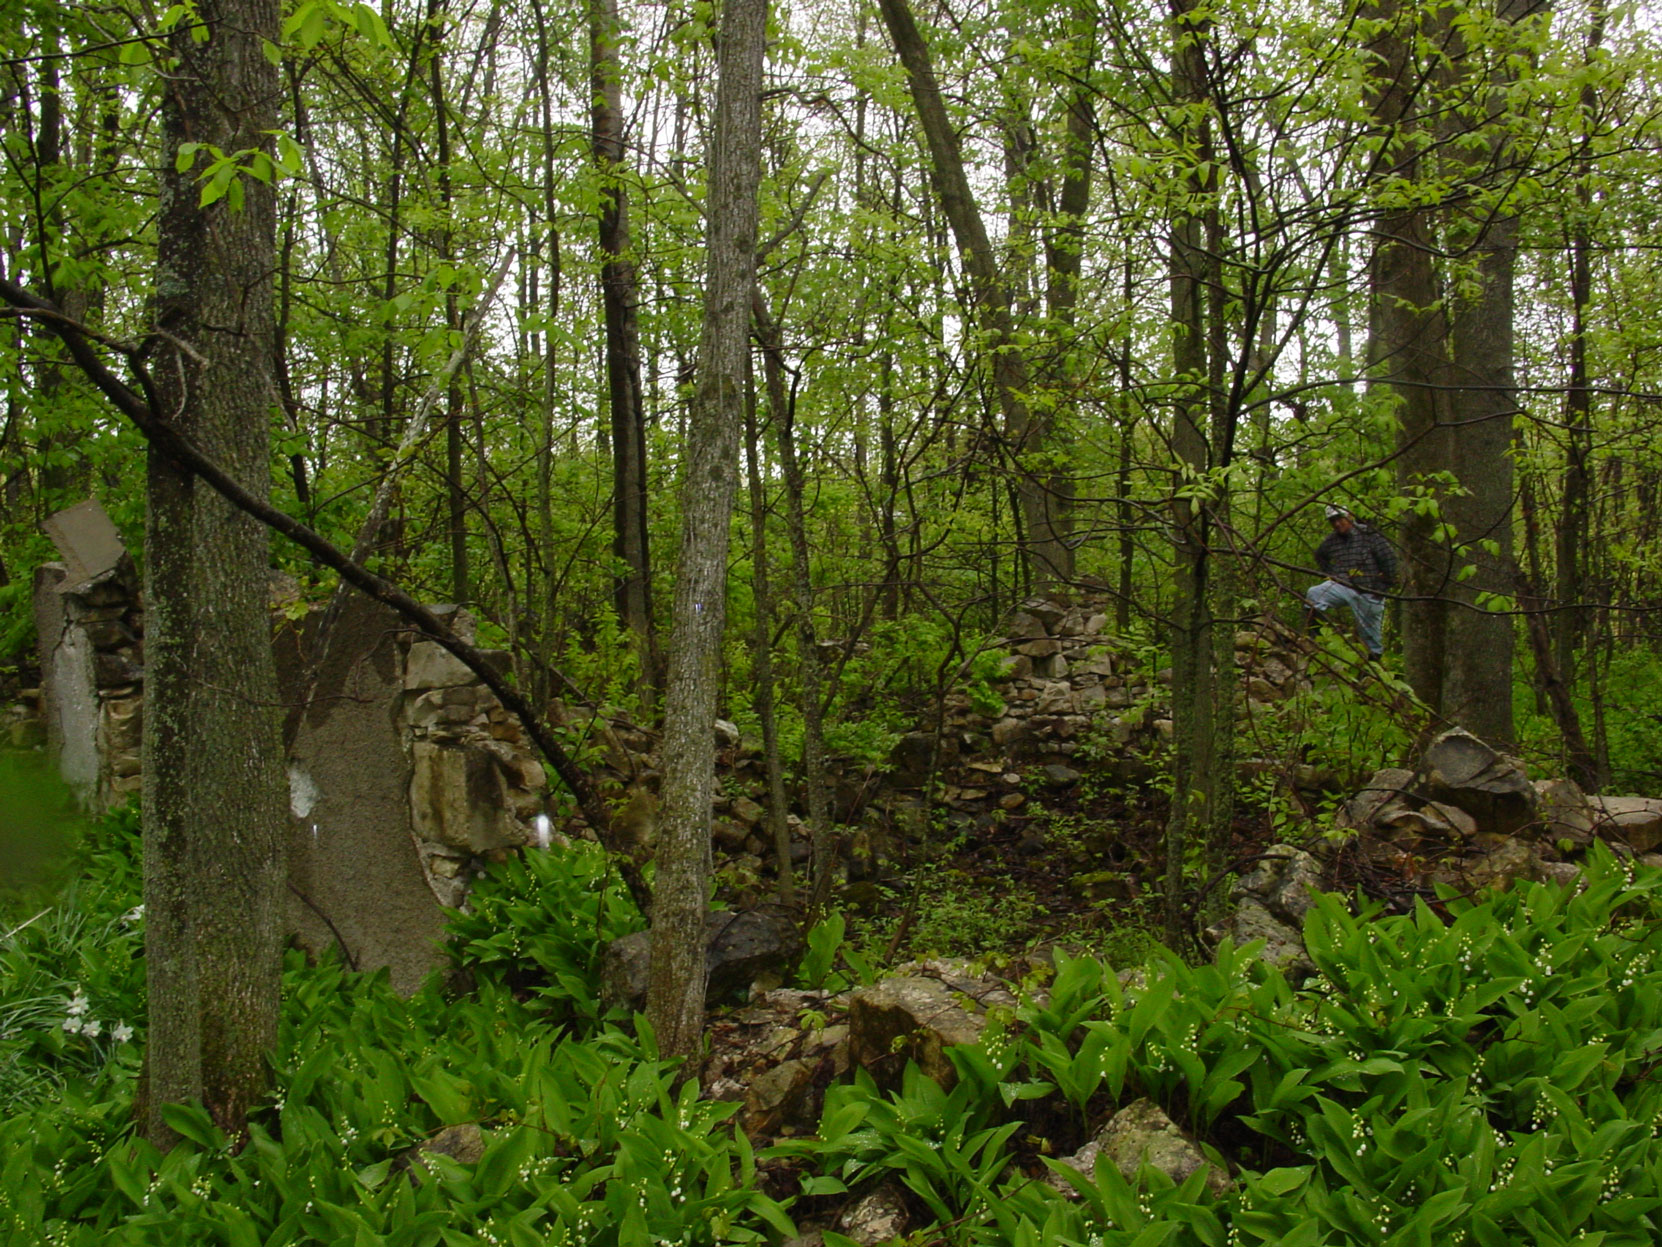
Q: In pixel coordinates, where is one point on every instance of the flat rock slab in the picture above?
(87, 540)
(1634, 821)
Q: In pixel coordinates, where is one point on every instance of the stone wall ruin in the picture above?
(404, 771)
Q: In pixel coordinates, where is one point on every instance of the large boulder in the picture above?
(741, 946)
(1460, 770)
(917, 1017)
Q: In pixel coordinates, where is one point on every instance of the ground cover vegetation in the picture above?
(1470, 1072)
(1089, 300)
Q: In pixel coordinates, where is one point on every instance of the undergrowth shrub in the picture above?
(1473, 1073)
(584, 1139)
(539, 922)
(71, 984)
(1478, 1074)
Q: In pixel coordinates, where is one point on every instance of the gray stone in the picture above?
(1141, 1134)
(430, 665)
(1431, 821)
(742, 946)
(1497, 869)
(879, 1217)
(909, 1018)
(1059, 776)
(728, 835)
(109, 634)
(69, 689)
(1056, 697)
(1025, 627)
(1460, 770)
(1277, 672)
(1385, 786)
(112, 669)
(350, 852)
(464, 1144)
(458, 798)
(1053, 668)
(1048, 612)
(1097, 664)
(87, 541)
(1015, 667)
(1633, 821)
(439, 708)
(777, 1097)
(1284, 882)
(122, 728)
(911, 758)
(1564, 874)
(1564, 811)
(1011, 731)
(1283, 946)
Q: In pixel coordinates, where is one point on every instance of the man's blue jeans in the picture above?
(1368, 609)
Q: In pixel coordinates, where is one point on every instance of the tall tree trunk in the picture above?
(1573, 533)
(675, 994)
(1407, 338)
(1193, 700)
(215, 798)
(1480, 640)
(620, 301)
(782, 409)
(1042, 509)
(761, 589)
(455, 434)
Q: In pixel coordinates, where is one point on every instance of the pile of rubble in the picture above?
(1470, 817)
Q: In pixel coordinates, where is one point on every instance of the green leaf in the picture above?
(1284, 1181)
(191, 1121)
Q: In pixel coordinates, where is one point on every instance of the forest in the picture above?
(774, 367)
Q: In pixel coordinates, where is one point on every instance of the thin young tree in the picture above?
(675, 993)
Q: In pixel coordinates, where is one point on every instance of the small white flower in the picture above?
(72, 1025)
(92, 1029)
(77, 1004)
(122, 1032)
(133, 915)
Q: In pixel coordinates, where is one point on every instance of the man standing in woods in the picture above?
(1360, 567)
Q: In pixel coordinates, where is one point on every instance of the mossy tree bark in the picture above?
(214, 790)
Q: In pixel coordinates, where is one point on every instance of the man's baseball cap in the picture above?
(1335, 512)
